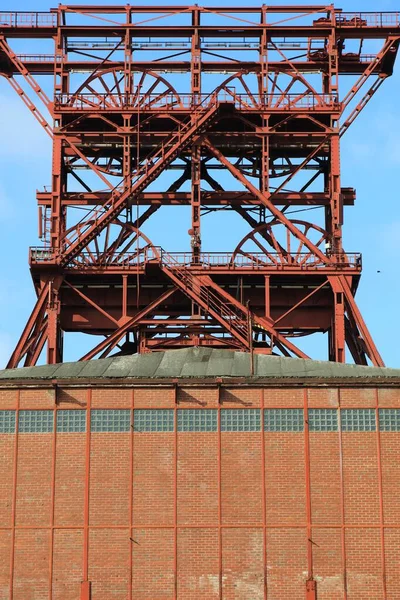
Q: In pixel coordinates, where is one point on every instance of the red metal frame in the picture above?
(273, 121)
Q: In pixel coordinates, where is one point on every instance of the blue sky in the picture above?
(370, 162)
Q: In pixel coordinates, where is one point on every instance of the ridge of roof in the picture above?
(197, 362)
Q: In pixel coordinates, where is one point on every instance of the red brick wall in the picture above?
(200, 515)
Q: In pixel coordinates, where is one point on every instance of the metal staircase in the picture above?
(155, 163)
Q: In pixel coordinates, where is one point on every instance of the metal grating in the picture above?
(198, 420)
(71, 421)
(242, 419)
(153, 420)
(110, 420)
(323, 419)
(358, 419)
(36, 421)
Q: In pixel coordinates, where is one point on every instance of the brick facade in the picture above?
(242, 511)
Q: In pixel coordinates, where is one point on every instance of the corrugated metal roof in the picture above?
(198, 363)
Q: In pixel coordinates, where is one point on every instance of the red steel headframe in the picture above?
(202, 97)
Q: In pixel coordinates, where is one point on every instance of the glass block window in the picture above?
(110, 420)
(35, 421)
(322, 419)
(389, 419)
(153, 420)
(7, 421)
(71, 421)
(197, 420)
(358, 419)
(283, 419)
(242, 419)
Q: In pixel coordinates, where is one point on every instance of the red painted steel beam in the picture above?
(208, 198)
(112, 340)
(45, 66)
(265, 200)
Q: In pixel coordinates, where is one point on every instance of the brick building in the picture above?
(182, 475)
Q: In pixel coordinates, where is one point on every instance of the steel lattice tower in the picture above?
(273, 121)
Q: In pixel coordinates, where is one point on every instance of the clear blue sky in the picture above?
(370, 162)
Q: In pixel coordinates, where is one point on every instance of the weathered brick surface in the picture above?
(7, 448)
(70, 479)
(106, 398)
(197, 397)
(5, 556)
(8, 399)
(363, 559)
(198, 570)
(109, 478)
(153, 564)
(392, 560)
(31, 567)
(34, 398)
(322, 398)
(172, 503)
(389, 397)
(360, 474)
(284, 478)
(325, 478)
(283, 397)
(286, 563)
(72, 398)
(357, 398)
(109, 563)
(197, 478)
(241, 482)
(34, 471)
(243, 564)
(240, 398)
(153, 479)
(67, 564)
(148, 397)
(328, 564)
(390, 453)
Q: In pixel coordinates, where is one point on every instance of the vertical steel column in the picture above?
(196, 203)
(342, 501)
(86, 585)
(124, 296)
(195, 64)
(264, 100)
(131, 467)
(53, 491)
(54, 333)
(267, 296)
(57, 212)
(335, 211)
(175, 491)
(311, 585)
(339, 336)
(264, 496)
(219, 467)
(14, 495)
(380, 485)
(195, 71)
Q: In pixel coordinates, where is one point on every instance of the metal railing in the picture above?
(28, 19)
(39, 58)
(368, 19)
(206, 260)
(343, 19)
(155, 102)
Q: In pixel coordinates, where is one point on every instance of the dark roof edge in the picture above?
(256, 381)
